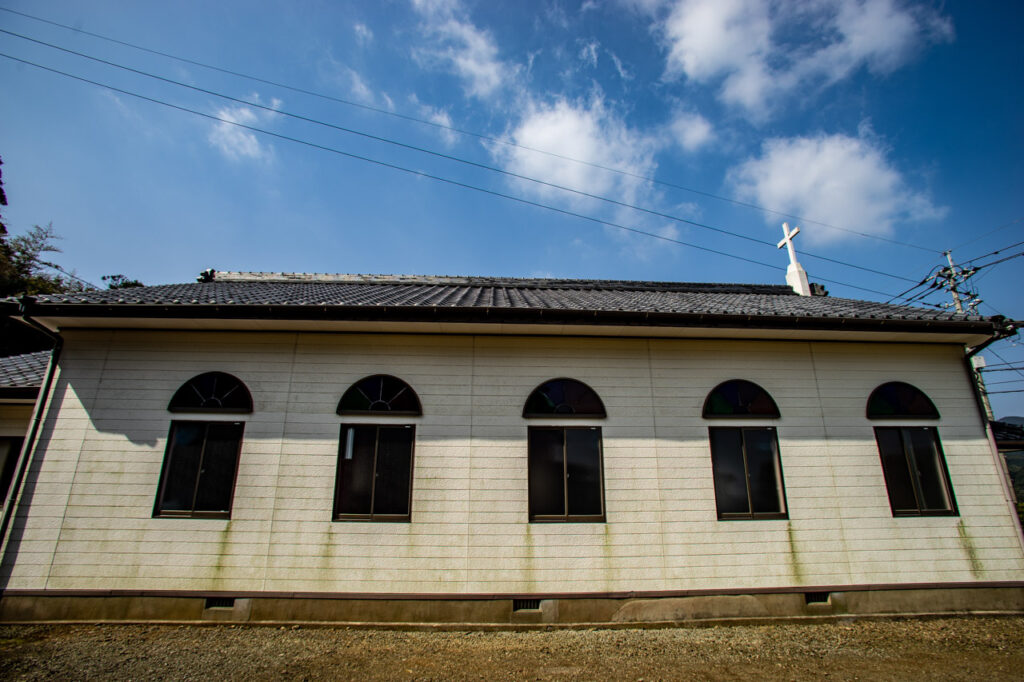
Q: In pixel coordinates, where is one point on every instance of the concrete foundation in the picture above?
(498, 610)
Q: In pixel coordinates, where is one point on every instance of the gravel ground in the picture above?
(948, 649)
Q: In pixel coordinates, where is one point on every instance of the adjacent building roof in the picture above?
(1008, 436)
(301, 296)
(21, 375)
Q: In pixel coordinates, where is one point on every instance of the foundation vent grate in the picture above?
(220, 603)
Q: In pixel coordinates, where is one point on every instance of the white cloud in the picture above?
(836, 179)
(588, 53)
(749, 48)
(624, 73)
(358, 87)
(440, 117)
(585, 131)
(363, 33)
(239, 144)
(469, 51)
(691, 130)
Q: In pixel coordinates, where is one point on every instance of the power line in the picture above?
(971, 241)
(423, 174)
(395, 166)
(1001, 260)
(1019, 372)
(990, 253)
(449, 157)
(453, 129)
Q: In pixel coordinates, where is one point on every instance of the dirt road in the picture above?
(947, 649)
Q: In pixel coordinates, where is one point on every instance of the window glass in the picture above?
(738, 399)
(730, 473)
(10, 448)
(199, 469)
(564, 398)
(915, 471)
(747, 473)
(547, 474)
(897, 400)
(763, 469)
(394, 468)
(583, 471)
(380, 393)
(896, 469)
(212, 392)
(374, 478)
(565, 476)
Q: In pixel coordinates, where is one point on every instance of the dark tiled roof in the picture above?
(23, 371)
(1007, 433)
(239, 290)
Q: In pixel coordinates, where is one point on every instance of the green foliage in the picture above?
(23, 269)
(3, 201)
(121, 282)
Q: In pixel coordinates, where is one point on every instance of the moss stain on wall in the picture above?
(977, 570)
(794, 555)
(530, 554)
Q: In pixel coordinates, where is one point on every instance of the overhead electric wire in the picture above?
(992, 231)
(990, 253)
(453, 129)
(1019, 372)
(448, 157)
(418, 173)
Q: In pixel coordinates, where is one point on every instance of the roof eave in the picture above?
(54, 313)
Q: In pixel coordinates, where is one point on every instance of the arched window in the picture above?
(915, 471)
(564, 398)
(739, 399)
(201, 459)
(565, 462)
(212, 392)
(745, 459)
(897, 400)
(380, 393)
(375, 461)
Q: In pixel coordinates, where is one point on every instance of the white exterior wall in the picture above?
(91, 492)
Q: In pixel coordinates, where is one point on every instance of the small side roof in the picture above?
(22, 375)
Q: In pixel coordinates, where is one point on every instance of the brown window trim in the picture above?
(754, 516)
(159, 513)
(375, 518)
(574, 518)
(914, 482)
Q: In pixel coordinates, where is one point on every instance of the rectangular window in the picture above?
(200, 464)
(565, 476)
(915, 471)
(747, 472)
(10, 448)
(374, 480)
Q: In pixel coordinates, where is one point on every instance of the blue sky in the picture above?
(898, 122)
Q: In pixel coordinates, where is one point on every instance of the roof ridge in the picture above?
(504, 282)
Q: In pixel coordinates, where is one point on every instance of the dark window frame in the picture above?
(710, 409)
(780, 481)
(585, 390)
(417, 411)
(567, 517)
(7, 470)
(915, 403)
(168, 462)
(913, 473)
(336, 515)
(182, 399)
